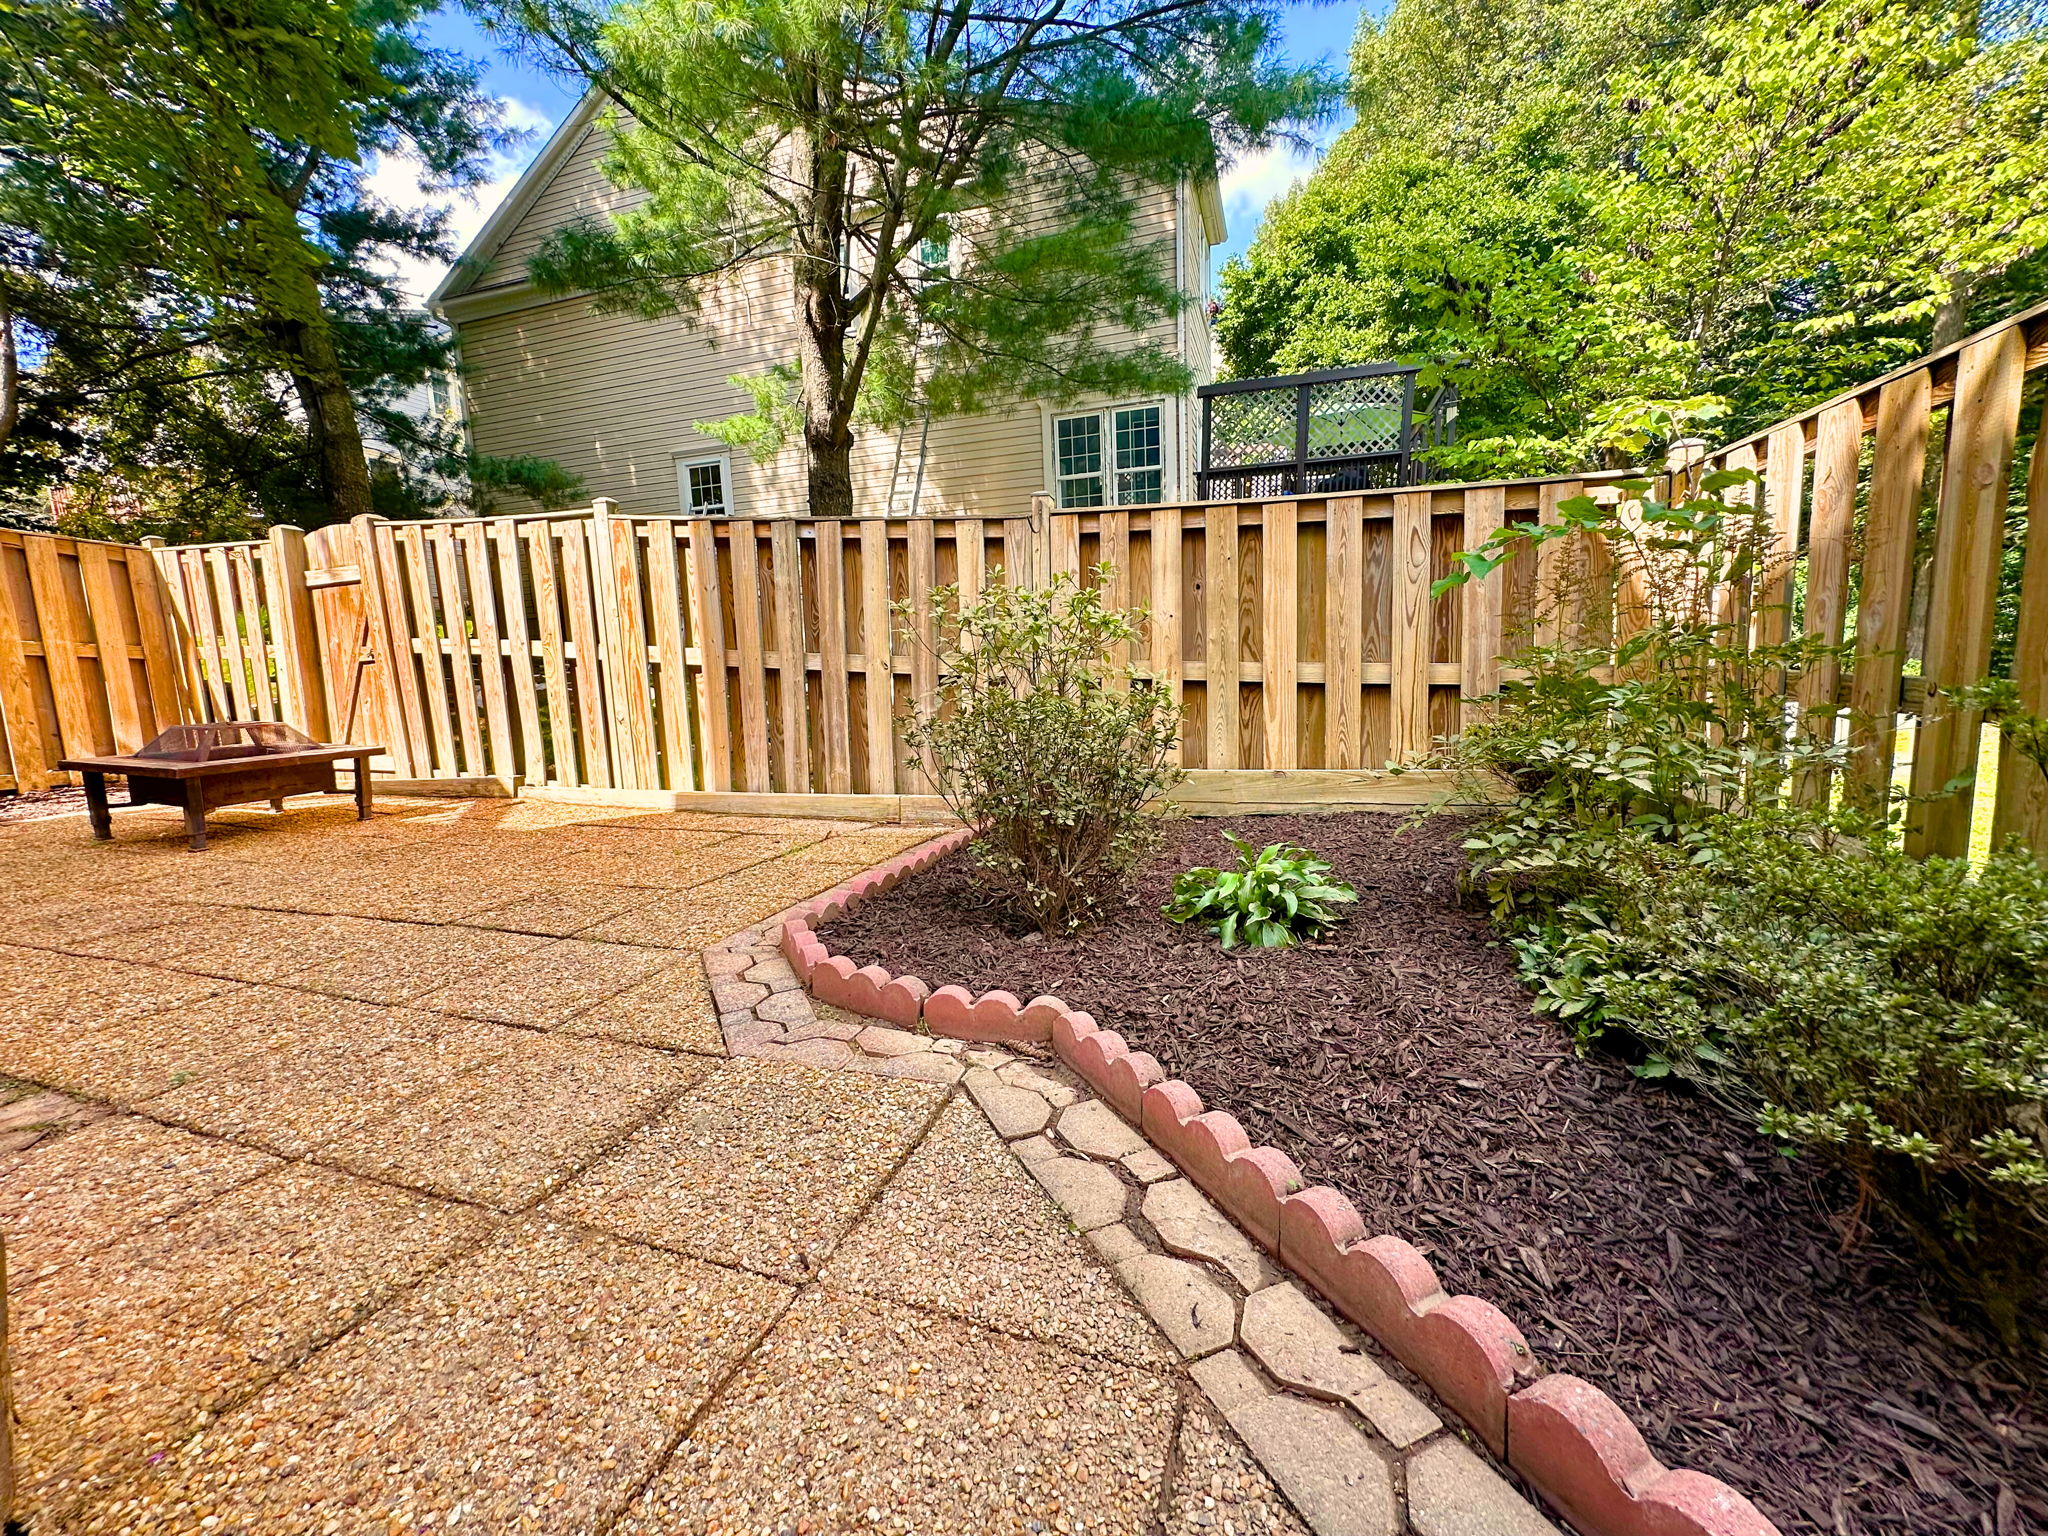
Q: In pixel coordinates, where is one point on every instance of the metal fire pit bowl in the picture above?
(200, 768)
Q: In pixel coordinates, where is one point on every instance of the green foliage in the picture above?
(1999, 697)
(1887, 1013)
(1277, 896)
(1048, 752)
(1588, 219)
(837, 144)
(1675, 883)
(201, 296)
(1683, 716)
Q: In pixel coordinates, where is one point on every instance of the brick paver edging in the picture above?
(1566, 1436)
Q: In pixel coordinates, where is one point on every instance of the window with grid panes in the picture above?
(703, 484)
(1112, 458)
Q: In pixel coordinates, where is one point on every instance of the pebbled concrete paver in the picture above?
(859, 1415)
(450, 1199)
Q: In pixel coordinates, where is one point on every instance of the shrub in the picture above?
(1048, 752)
(1278, 895)
(1676, 883)
(1654, 701)
(1886, 1012)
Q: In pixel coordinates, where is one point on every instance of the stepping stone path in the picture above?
(1356, 1452)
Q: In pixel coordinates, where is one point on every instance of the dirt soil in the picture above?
(1641, 1238)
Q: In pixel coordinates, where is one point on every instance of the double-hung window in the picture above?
(705, 485)
(1112, 458)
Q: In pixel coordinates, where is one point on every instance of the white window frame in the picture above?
(1106, 415)
(685, 462)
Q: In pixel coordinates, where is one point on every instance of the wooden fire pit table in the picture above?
(201, 768)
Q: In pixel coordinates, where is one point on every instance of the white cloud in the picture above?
(395, 179)
(1250, 185)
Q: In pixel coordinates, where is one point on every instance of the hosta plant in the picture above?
(1278, 895)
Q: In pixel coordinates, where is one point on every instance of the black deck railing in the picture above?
(1309, 434)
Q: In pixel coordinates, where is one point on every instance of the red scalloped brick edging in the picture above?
(1566, 1436)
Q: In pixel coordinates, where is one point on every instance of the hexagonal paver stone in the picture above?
(1188, 1224)
(881, 1040)
(1192, 1310)
(923, 1066)
(1022, 1074)
(1089, 1193)
(1148, 1167)
(1322, 1461)
(1302, 1348)
(1451, 1492)
(1093, 1127)
(1014, 1112)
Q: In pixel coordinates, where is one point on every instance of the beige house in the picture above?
(613, 396)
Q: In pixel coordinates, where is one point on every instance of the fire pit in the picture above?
(200, 768)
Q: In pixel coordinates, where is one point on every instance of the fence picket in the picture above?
(792, 646)
(1885, 593)
(2022, 809)
(877, 656)
(1222, 695)
(578, 601)
(1837, 452)
(835, 706)
(1278, 634)
(505, 549)
(707, 623)
(665, 594)
(1413, 629)
(1964, 584)
(547, 606)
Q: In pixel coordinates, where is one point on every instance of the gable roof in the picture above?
(476, 258)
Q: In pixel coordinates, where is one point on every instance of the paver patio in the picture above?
(400, 1180)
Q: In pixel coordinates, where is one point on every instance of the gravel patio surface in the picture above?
(400, 1181)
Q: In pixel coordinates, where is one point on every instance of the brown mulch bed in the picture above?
(1640, 1237)
(41, 804)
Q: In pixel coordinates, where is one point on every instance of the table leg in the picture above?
(195, 815)
(277, 805)
(362, 789)
(96, 807)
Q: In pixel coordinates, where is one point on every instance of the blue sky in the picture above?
(536, 101)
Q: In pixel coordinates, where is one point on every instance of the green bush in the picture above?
(1278, 895)
(1049, 753)
(1677, 883)
(1886, 1012)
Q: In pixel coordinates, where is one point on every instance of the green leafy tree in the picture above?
(949, 188)
(189, 247)
(1605, 230)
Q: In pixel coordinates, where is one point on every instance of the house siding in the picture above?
(613, 397)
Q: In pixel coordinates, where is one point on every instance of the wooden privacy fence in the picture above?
(89, 658)
(588, 650)
(1848, 488)
(599, 652)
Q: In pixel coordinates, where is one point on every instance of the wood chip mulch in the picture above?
(1640, 1237)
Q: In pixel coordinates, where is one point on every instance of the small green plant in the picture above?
(1278, 895)
(1041, 746)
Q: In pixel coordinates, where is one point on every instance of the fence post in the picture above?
(1038, 571)
(297, 642)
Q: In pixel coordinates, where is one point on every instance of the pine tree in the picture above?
(856, 142)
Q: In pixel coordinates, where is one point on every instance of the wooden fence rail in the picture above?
(593, 651)
(89, 658)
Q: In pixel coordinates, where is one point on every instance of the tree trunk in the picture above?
(1954, 313)
(819, 249)
(330, 419)
(10, 375)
